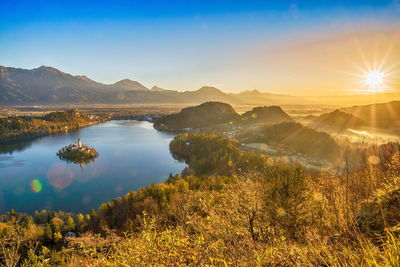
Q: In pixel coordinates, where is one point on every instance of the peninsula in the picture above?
(22, 127)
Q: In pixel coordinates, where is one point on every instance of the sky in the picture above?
(281, 46)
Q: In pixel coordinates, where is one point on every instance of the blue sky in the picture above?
(234, 45)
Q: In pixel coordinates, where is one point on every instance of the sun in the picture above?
(373, 76)
(374, 79)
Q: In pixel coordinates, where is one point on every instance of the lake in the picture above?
(132, 155)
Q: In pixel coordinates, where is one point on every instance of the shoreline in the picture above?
(34, 135)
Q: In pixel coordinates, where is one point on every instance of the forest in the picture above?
(228, 207)
(17, 128)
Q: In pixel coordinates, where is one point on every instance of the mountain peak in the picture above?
(209, 89)
(266, 114)
(250, 92)
(255, 91)
(126, 80)
(129, 85)
(44, 68)
(155, 88)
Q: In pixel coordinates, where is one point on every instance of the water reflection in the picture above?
(81, 162)
(15, 146)
(10, 161)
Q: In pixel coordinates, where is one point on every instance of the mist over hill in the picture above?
(295, 138)
(384, 115)
(338, 120)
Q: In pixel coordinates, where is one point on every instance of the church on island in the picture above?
(77, 146)
(77, 152)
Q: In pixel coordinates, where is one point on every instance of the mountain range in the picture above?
(48, 85)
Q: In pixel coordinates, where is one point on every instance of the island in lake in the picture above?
(77, 153)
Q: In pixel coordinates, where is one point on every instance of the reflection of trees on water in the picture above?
(12, 146)
(81, 161)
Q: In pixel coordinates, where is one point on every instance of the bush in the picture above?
(382, 212)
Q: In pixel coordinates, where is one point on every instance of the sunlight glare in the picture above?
(374, 79)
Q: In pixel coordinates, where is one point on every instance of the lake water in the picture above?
(132, 155)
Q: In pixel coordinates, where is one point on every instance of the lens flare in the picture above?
(60, 175)
(374, 160)
(36, 186)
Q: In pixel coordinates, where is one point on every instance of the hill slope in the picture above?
(44, 84)
(128, 85)
(268, 115)
(384, 115)
(338, 120)
(204, 115)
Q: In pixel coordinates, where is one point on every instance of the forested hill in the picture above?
(266, 115)
(211, 114)
(14, 128)
(205, 115)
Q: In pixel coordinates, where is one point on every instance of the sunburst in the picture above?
(375, 81)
